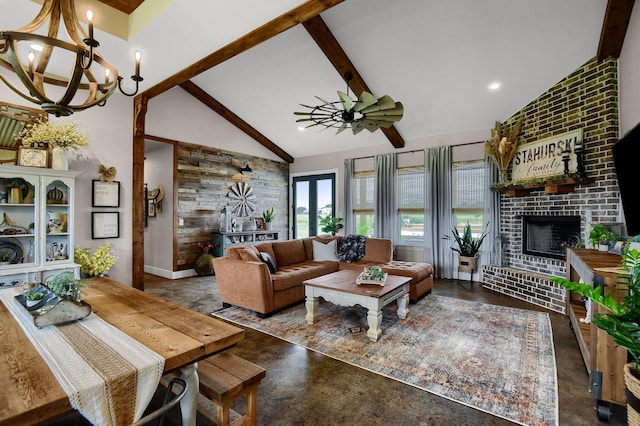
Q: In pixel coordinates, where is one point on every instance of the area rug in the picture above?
(496, 359)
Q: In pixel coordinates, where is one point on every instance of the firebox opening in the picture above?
(549, 236)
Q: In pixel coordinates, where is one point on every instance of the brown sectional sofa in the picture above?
(245, 280)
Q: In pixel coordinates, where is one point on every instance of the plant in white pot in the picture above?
(267, 215)
(467, 247)
(623, 321)
(59, 135)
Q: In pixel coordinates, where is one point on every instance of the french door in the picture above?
(313, 198)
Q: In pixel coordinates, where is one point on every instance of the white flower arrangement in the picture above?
(59, 134)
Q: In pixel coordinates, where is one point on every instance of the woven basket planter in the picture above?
(632, 389)
(467, 264)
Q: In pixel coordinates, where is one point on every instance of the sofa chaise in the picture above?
(268, 277)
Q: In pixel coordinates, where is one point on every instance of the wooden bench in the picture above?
(224, 378)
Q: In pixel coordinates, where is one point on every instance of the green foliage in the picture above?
(35, 296)
(331, 224)
(268, 215)
(467, 245)
(623, 321)
(61, 283)
(600, 234)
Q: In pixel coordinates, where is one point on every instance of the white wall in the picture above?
(109, 129)
(158, 235)
(629, 75)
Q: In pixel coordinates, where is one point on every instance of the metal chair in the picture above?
(167, 404)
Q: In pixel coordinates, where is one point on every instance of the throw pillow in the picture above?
(352, 248)
(270, 261)
(250, 253)
(323, 252)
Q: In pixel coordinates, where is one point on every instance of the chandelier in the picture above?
(36, 59)
(367, 112)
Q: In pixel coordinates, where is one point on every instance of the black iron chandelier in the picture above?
(31, 56)
(366, 112)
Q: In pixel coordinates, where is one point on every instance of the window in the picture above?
(363, 192)
(313, 198)
(411, 205)
(468, 195)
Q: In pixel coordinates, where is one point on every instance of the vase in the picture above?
(268, 226)
(504, 175)
(204, 264)
(632, 385)
(467, 264)
(59, 159)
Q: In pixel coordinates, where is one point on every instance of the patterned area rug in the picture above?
(496, 359)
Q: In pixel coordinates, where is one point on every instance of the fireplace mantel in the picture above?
(552, 186)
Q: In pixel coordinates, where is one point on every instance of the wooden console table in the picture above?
(602, 357)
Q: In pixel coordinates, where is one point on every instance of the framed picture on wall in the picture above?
(105, 194)
(259, 223)
(105, 225)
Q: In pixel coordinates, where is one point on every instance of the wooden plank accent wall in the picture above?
(204, 178)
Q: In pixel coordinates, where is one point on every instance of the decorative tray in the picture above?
(367, 280)
(52, 309)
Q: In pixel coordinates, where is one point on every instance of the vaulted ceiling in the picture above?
(253, 62)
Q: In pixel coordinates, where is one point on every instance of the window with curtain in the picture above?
(363, 191)
(411, 205)
(468, 195)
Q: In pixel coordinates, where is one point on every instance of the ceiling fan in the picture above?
(366, 112)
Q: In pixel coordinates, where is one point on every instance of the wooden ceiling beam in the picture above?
(231, 117)
(614, 28)
(263, 33)
(318, 30)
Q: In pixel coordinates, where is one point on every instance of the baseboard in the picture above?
(172, 275)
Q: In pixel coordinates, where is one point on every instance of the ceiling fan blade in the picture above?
(346, 100)
(342, 127)
(388, 115)
(357, 127)
(365, 100)
(383, 103)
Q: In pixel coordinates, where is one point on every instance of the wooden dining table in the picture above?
(29, 392)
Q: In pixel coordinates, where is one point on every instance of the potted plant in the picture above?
(59, 135)
(623, 321)
(599, 237)
(267, 215)
(97, 264)
(204, 262)
(331, 224)
(468, 247)
(34, 298)
(5, 257)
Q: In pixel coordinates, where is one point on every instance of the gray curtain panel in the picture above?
(386, 202)
(438, 215)
(491, 250)
(349, 220)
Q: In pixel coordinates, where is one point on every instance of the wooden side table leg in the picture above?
(189, 403)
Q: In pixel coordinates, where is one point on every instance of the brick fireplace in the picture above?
(587, 99)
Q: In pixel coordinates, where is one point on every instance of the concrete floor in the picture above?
(306, 388)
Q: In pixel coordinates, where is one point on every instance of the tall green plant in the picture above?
(331, 224)
(623, 323)
(467, 245)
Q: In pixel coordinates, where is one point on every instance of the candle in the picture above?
(90, 19)
(137, 73)
(32, 57)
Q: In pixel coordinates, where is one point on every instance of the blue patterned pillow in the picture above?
(352, 248)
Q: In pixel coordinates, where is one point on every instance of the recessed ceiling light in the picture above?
(494, 85)
(301, 128)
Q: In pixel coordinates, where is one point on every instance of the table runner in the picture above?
(108, 376)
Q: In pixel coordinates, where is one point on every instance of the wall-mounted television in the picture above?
(626, 155)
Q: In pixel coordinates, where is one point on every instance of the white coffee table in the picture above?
(340, 288)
